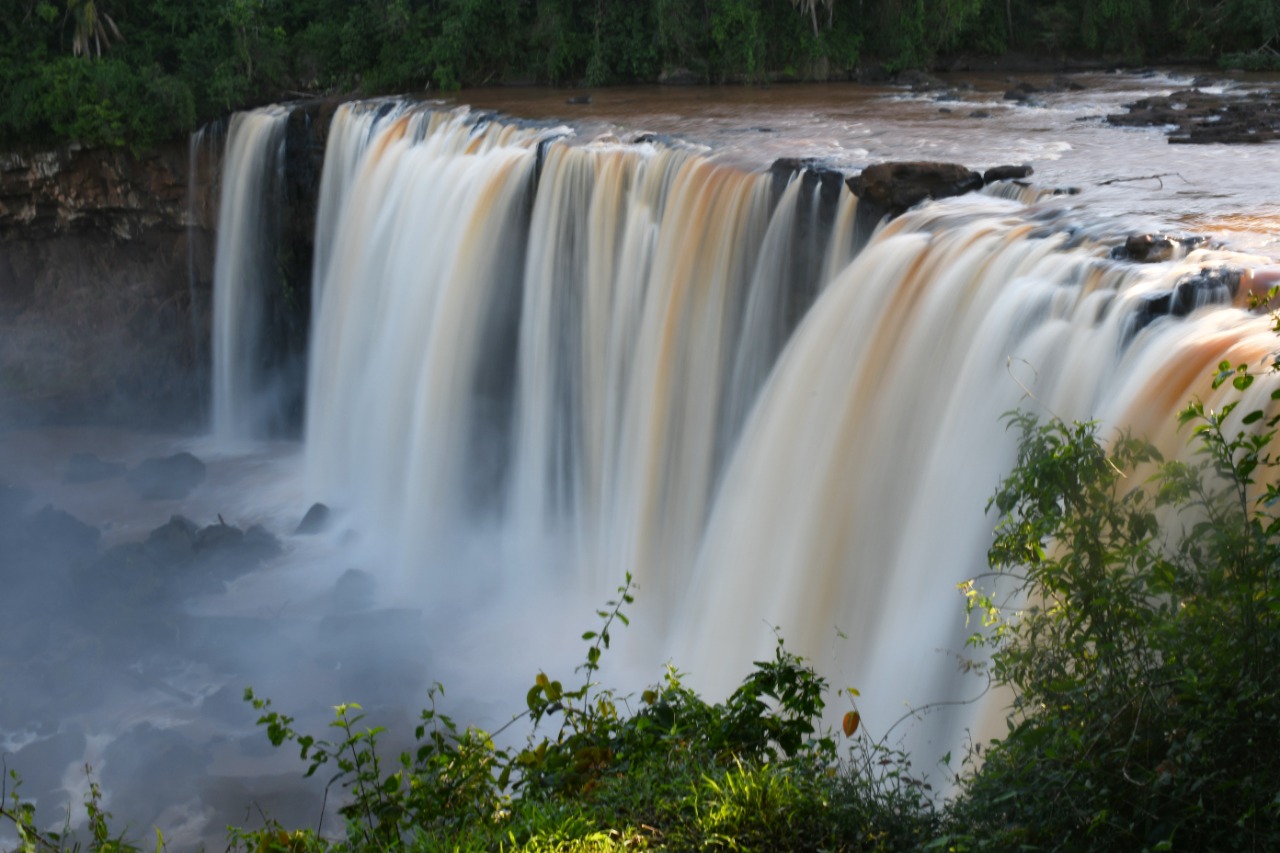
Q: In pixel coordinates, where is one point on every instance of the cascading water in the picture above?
(245, 267)
(556, 347)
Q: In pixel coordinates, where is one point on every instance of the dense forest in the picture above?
(131, 72)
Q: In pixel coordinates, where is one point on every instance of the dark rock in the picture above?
(219, 537)
(167, 478)
(894, 187)
(315, 521)
(353, 591)
(1006, 173)
(88, 468)
(979, 114)
(1067, 84)
(579, 99)
(919, 81)
(1200, 117)
(1207, 286)
(261, 543)
(1156, 248)
(173, 543)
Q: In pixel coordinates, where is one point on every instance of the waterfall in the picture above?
(245, 267)
(594, 358)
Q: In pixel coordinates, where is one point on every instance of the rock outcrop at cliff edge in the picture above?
(894, 187)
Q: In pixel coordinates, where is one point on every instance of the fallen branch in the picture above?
(1158, 177)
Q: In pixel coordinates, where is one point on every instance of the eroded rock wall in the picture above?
(100, 318)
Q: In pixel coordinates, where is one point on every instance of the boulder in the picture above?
(1207, 286)
(315, 521)
(1156, 248)
(173, 543)
(167, 478)
(1006, 173)
(88, 468)
(894, 187)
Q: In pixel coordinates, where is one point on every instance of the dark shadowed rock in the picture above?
(353, 591)
(894, 187)
(579, 99)
(173, 543)
(167, 478)
(88, 468)
(1207, 286)
(315, 521)
(1006, 173)
(1193, 116)
(219, 537)
(260, 544)
(979, 114)
(1156, 248)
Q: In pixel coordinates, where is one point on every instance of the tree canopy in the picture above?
(114, 72)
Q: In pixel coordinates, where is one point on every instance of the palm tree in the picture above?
(92, 28)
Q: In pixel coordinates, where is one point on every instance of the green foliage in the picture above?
(1143, 644)
(752, 773)
(21, 815)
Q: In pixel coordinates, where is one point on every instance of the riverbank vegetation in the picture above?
(1132, 610)
(133, 72)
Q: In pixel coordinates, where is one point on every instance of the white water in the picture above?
(632, 339)
(244, 268)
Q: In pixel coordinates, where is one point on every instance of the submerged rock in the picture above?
(894, 187)
(167, 478)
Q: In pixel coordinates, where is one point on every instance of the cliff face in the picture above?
(101, 319)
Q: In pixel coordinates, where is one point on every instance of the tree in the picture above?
(91, 28)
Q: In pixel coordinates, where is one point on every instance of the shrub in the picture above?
(1142, 653)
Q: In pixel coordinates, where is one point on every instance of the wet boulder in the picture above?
(167, 478)
(315, 521)
(1156, 248)
(895, 187)
(88, 468)
(224, 552)
(1207, 286)
(1006, 173)
(173, 543)
(353, 591)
